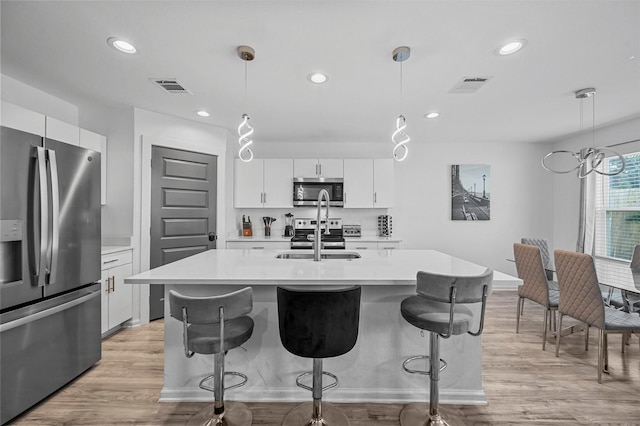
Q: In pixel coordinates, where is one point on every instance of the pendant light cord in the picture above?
(401, 87)
(245, 85)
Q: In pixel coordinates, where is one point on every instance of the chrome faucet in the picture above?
(316, 233)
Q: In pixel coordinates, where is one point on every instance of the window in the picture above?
(618, 209)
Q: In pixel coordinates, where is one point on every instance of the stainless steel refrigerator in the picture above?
(49, 267)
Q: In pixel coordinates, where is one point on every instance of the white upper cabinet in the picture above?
(19, 118)
(248, 183)
(324, 167)
(62, 131)
(278, 183)
(358, 183)
(383, 183)
(263, 183)
(96, 142)
(368, 183)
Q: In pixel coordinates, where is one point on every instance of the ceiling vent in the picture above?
(171, 86)
(468, 85)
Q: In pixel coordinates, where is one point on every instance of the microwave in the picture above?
(306, 191)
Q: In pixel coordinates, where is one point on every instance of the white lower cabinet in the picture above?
(259, 245)
(117, 297)
(372, 245)
(360, 245)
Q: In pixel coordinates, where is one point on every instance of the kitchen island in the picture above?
(371, 371)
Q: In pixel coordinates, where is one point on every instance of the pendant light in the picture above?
(589, 159)
(399, 137)
(245, 130)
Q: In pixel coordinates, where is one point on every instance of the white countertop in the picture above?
(364, 239)
(261, 239)
(260, 267)
(114, 249)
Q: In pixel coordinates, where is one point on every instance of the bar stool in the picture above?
(318, 324)
(437, 308)
(214, 325)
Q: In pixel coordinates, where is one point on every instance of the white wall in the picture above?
(116, 123)
(153, 129)
(566, 187)
(520, 195)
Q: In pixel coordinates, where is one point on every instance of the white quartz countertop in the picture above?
(114, 249)
(260, 267)
(262, 239)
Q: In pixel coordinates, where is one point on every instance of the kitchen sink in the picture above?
(345, 255)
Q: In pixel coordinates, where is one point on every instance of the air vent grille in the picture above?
(468, 85)
(171, 86)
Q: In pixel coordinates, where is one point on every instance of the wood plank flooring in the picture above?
(524, 385)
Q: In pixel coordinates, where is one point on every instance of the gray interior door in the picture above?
(183, 210)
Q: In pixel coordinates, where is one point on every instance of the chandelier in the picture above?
(588, 159)
(245, 130)
(399, 137)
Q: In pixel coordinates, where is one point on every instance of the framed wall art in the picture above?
(470, 192)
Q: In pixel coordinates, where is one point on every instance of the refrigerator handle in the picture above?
(55, 217)
(41, 264)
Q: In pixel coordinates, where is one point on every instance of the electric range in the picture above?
(304, 234)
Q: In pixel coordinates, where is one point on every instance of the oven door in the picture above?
(307, 190)
(324, 245)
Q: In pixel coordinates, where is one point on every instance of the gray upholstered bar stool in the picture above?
(318, 324)
(214, 325)
(438, 308)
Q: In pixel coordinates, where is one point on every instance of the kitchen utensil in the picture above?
(267, 221)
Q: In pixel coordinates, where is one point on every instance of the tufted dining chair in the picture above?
(535, 287)
(545, 253)
(580, 298)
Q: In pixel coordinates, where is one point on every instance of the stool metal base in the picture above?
(417, 414)
(235, 414)
(302, 414)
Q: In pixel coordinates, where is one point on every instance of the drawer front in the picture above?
(360, 245)
(259, 245)
(388, 246)
(116, 259)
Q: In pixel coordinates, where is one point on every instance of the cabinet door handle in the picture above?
(375, 197)
(265, 198)
(320, 165)
(108, 289)
(113, 283)
(110, 261)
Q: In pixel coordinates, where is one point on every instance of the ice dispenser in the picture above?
(10, 251)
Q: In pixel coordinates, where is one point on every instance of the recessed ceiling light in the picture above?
(317, 77)
(121, 45)
(202, 113)
(432, 115)
(510, 47)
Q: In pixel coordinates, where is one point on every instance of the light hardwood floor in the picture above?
(524, 385)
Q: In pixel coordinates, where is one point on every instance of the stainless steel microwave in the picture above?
(306, 191)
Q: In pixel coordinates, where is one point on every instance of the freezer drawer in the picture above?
(45, 346)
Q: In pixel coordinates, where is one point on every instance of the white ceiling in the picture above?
(60, 47)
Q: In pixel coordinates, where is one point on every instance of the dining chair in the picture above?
(580, 298)
(543, 245)
(632, 300)
(535, 287)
